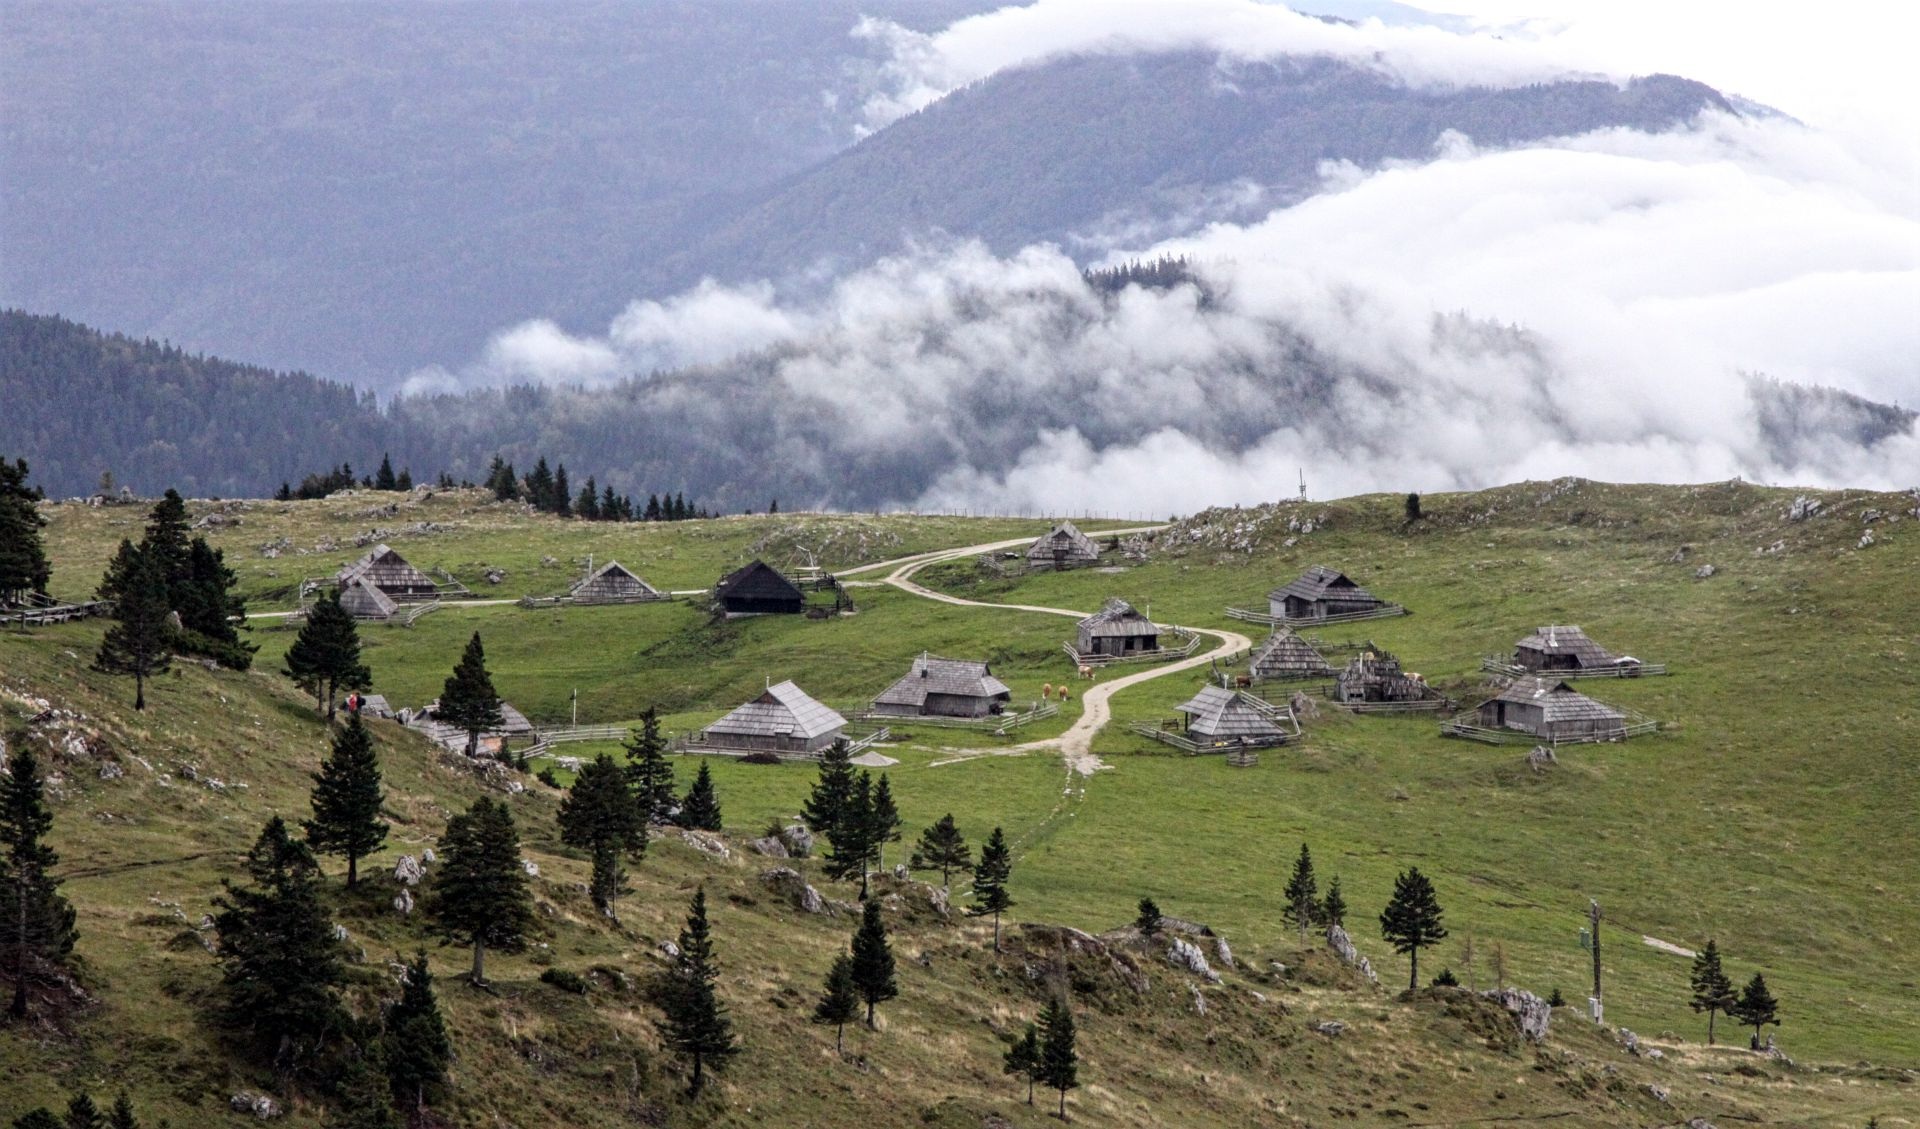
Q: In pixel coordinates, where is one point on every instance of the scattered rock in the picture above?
(799, 840)
(1700, 1123)
(408, 871)
(1631, 1040)
(900, 872)
(340, 933)
(260, 1105)
(532, 868)
(1803, 508)
(1770, 550)
(1529, 1011)
(707, 843)
(937, 898)
(495, 575)
(1658, 1092)
(1703, 572)
(403, 902)
(1655, 1053)
(670, 950)
(1303, 707)
(1680, 554)
(549, 562)
(788, 882)
(1541, 759)
(1197, 998)
(1182, 953)
(426, 857)
(1222, 953)
(772, 846)
(1866, 539)
(1343, 947)
(1331, 1028)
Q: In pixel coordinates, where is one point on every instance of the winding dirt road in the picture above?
(1076, 744)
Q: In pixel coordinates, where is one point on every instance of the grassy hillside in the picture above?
(1775, 813)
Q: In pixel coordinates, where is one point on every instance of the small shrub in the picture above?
(1446, 979)
(760, 758)
(546, 776)
(564, 980)
(1556, 999)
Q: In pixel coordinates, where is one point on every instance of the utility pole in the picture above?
(1594, 1004)
(575, 696)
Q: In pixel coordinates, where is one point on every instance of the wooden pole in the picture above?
(1593, 914)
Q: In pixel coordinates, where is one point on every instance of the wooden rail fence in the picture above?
(1494, 664)
(1248, 615)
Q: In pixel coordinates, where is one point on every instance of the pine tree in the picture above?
(649, 772)
(539, 485)
(207, 603)
(1712, 990)
(347, 799)
(383, 478)
(36, 923)
(701, 809)
(324, 658)
(1149, 921)
(696, 1025)
(1756, 1008)
(990, 882)
(83, 1114)
(851, 836)
(599, 815)
(285, 493)
(610, 506)
(137, 642)
(832, 791)
(562, 504)
(680, 512)
(1333, 907)
(1302, 892)
(414, 1038)
(364, 1101)
(468, 700)
(1023, 1059)
(1413, 507)
(1555, 999)
(1411, 920)
(23, 553)
(773, 507)
(653, 507)
(121, 1115)
(165, 540)
(839, 999)
(942, 848)
(588, 506)
(873, 967)
(280, 965)
(883, 822)
(502, 480)
(479, 895)
(41, 1118)
(404, 483)
(1059, 1061)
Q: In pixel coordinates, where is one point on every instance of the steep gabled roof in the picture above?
(1221, 713)
(383, 566)
(1285, 651)
(1566, 641)
(1117, 617)
(1319, 582)
(960, 678)
(363, 599)
(1078, 546)
(615, 574)
(757, 581)
(1557, 701)
(782, 710)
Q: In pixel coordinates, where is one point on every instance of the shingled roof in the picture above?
(1285, 653)
(1117, 617)
(384, 568)
(1557, 700)
(757, 581)
(1318, 582)
(613, 581)
(1221, 714)
(961, 678)
(782, 710)
(1566, 641)
(1067, 538)
(363, 600)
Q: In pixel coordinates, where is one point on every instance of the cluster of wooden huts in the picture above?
(375, 586)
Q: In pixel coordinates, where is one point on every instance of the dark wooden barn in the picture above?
(1552, 711)
(945, 688)
(1117, 629)
(390, 573)
(1320, 593)
(759, 589)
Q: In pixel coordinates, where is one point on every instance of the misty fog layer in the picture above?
(1597, 306)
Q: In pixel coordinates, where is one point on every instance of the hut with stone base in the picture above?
(1551, 649)
(938, 687)
(1321, 592)
(1285, 657)
(389, 572)
(783, 720)
(361, 600)
(614, 583)
(1376, 677)
(1221, 718)
(1117, 629)
(1062, 547)
(1551, 711)
(759, 589)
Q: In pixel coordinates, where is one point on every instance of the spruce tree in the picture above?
(208, 604)
(1756, 1008)
(404, 483)
(696, 1026)
(942, 848)
(883, 822)
(873, 966)
(598, 814)
(414, 1037)
(137, 642)
(1712, 990)
(610, 508)
(649, 772)
(851, 835)
(701, 808)
(1302, 892)
(347, 798)
(1023, 1058)
(383, 478)
(280, 965)
(165, 540)
(1333, 907)
(479, 894)
(1411, 920)
(83, 1114)
(839, 999)
(1059, 1060)
(990, 882)
(653, 507)
(1149, 921)
(41, 1118)
(831, 790)
(502, 480)
(36, 923)
(121, 1115)
(362, 1099)
(324, 659)
(468, 700)
(23, 553)
(588, 505)
(562, 504)
(539, 485)
(119, 571)
(1413, 507)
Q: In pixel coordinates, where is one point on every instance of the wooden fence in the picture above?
(562, 735)
(1494, 664)
(1162, 654)
(1248, 615)
(42, 611)
(999, 724)
(1637, 726)
(1168, 733)
(696, 743)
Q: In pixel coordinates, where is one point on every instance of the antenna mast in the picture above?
(1303, 484)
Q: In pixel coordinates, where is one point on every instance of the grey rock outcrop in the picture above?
(798, 839)
(789, 884)
(1541, 759)
(707, 843)
(1343, 947)
(408, 871)
(773, 846)
(1529, 1011)
(1182, 953)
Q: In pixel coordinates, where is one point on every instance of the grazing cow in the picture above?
(1086, 671)
(1243, 681)
(1063, 695)
(1046, 690)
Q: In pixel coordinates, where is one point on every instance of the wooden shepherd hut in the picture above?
(1063, 547)
(614, 583)
(1286, 656)
(1218, 718)
(1553, 712)
(362, 600)
(1375, 676)
(1564, 648)
(759, 589)
(514, 726)
(782, 720)
(1117, 629)
(1321, 592)
(945, 688)
(390, 573)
